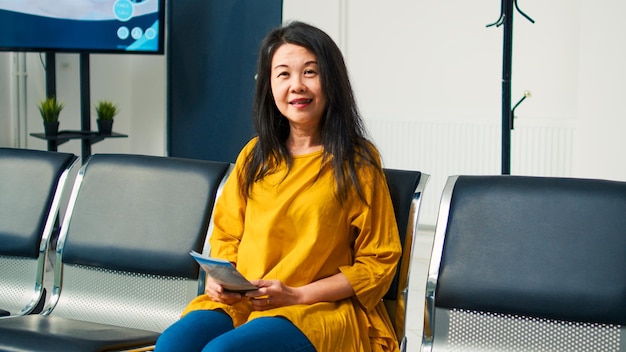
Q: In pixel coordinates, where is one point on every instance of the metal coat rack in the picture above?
(506, 19)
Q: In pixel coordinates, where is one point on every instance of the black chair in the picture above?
(528, 264)
(123, 271)
(31, 187)
(406, 188)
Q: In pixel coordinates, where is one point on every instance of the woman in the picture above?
(306, 214)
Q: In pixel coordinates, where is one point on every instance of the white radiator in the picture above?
(442, 149)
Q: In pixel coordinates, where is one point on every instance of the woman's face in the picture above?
(296, 86)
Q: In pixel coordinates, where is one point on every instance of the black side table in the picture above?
(87, 138)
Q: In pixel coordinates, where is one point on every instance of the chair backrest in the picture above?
(123, 251)
(31, 187)
(406, 188)
(525, 263)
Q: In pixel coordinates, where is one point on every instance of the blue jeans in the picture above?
(208, 330)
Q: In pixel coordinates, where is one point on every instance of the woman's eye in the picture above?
(283, 74)
(309, 72)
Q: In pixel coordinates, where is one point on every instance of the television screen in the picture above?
(98, 26)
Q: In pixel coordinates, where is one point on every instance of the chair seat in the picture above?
(59, 334)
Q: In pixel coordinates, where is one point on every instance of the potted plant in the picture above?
(50, 110)
(106, 111)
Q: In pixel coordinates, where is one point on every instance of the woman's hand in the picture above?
(217, 293)
(272, 294)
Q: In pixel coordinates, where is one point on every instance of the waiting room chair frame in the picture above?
(396, 300)
(38, 199)
(471, 319)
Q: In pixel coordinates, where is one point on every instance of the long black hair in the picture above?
(343, 134)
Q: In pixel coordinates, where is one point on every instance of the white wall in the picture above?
(5, 103)
(418, 63)
(601, 146)
(135, 82)
(413, 63)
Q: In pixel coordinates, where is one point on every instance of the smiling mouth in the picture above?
(300, 101)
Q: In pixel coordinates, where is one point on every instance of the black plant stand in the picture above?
(89, 137)
(85, 135)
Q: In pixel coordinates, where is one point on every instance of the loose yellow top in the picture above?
(294, 229)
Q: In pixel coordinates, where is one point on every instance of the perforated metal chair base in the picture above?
(17, 289)
(464, 331)
(117, 297)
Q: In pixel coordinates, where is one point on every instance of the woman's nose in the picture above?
(297, 85)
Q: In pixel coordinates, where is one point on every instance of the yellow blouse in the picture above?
(293, 228)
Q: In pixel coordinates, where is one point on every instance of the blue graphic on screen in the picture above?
(81, 25)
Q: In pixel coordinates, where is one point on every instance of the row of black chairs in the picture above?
(122, 272)
(518, 263)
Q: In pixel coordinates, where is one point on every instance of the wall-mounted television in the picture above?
(83, 26)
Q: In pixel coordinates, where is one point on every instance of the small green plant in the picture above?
(106, 110)
(50, 109)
